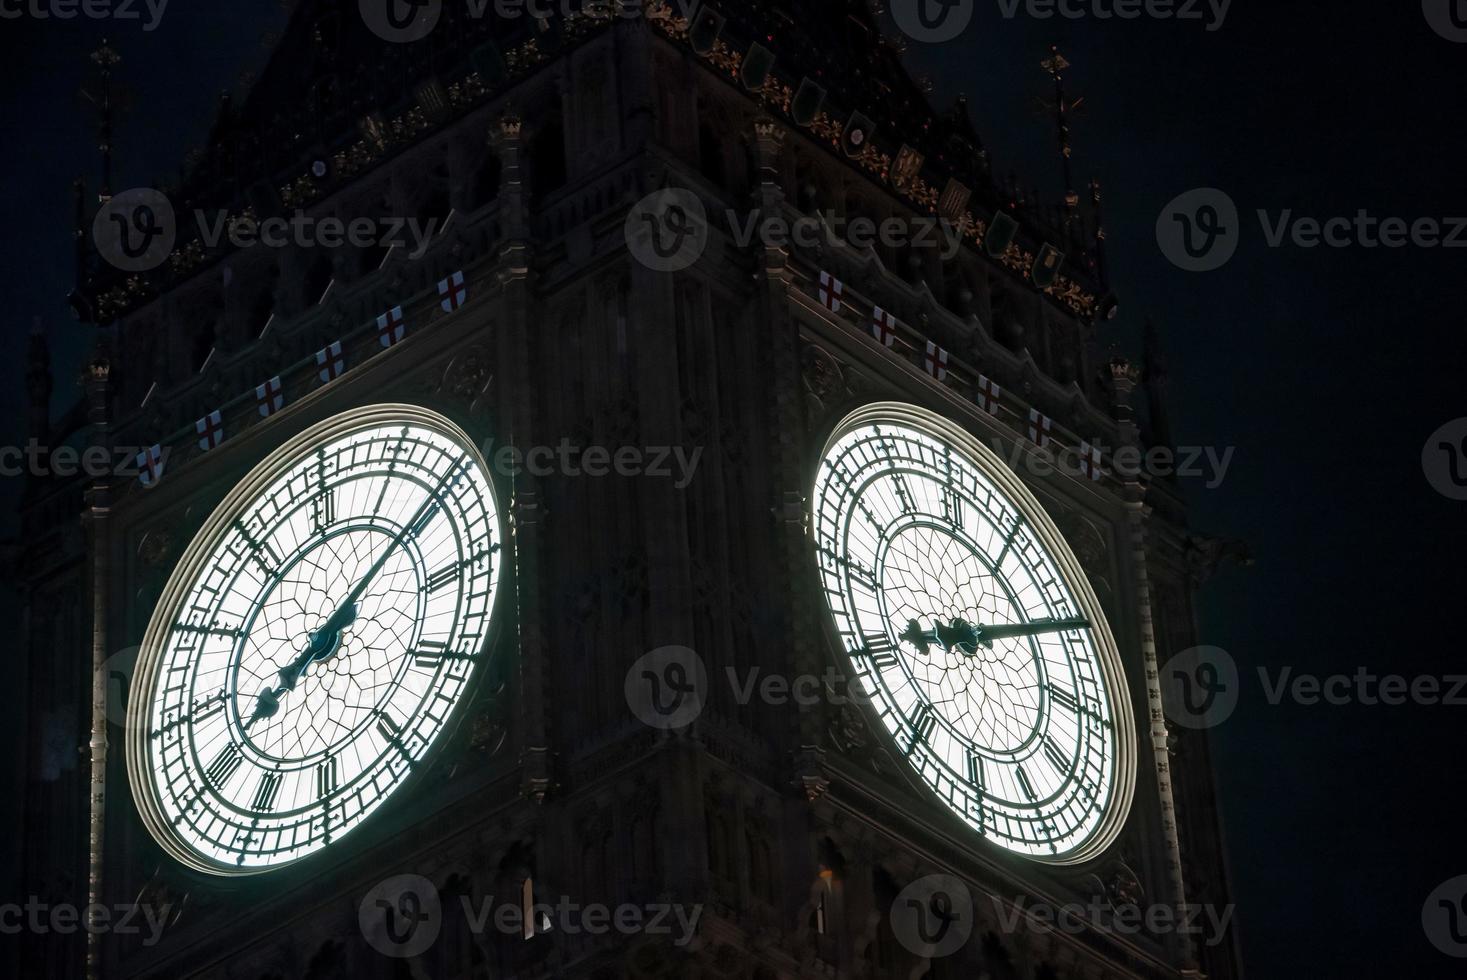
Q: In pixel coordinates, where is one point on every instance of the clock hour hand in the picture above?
(325, 641)
(958, 633)
(968, 637)
(323, 645)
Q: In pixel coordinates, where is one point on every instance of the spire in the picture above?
(1055, 65)
(106, 99)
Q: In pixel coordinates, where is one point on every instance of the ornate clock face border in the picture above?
(1108, 825)
(449, 654)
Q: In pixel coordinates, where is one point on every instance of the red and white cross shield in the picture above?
(390, 327)
(270, 397)
(330, 362)
(987, 393)
(883, 327)
(936, 361)
(452, 291)
(210, 429)
(1039, 426)
(1090, 460)
(150, 465)
(830, 291)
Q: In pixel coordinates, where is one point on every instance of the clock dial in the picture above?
(315, 640)
(966, 619)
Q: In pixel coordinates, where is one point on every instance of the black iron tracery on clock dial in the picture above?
(326, 631)
(980, 655)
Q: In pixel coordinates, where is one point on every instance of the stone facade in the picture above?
(790, 825)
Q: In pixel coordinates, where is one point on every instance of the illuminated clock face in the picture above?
(314, 641)
(968, 623)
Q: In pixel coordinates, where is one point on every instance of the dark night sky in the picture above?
(1324, 369)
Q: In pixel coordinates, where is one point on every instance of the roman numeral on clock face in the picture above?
(1064, 697)
(952, 504)
(389, 727)
(428, 654)
(224, 764)
(1024, 783)
(323, 509)
(975, 768)
(879, 648)
(326, 778)
(444, 575)
(923, 722)
(251, 759)
(265, 795)
(1055, 756)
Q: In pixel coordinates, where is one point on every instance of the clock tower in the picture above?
(790, 608)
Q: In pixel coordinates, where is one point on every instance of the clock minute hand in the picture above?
(324, 642)
(987, 634)
(346, 612)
